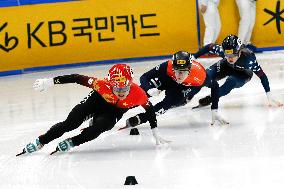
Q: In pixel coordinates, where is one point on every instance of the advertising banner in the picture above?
(88, 31)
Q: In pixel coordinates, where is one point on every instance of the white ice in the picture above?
(249, 153)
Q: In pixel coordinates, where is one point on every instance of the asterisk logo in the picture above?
(275, 15)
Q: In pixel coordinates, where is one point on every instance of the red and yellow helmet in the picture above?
(120, 76)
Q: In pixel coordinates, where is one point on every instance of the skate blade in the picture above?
(54, 151)
(23, 152)
(200, 106)
(195, 107)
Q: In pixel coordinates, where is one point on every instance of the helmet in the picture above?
(231, 45)
(120, 76)
(182, 60)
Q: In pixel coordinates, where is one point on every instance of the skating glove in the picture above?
(43, 84)
(159, 140)
(154, 92)
(217, 117)
(271, 101)
(131, 122)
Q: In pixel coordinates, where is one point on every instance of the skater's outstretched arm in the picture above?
(210, 48)
(256, 68)
(45, 83)
(152, 81)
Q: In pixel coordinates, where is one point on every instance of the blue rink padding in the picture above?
(8, 3)
(103, 62)
(10, 72)
(72, 65)
(11, 3)
(271, 48)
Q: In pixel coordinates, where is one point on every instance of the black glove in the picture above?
(133, 121)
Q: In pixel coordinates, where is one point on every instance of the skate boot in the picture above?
(65, 145)
(205, 101)
(33, 147)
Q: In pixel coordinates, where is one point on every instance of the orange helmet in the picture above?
(120, 76)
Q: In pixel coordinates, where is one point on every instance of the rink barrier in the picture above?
(229, 5)
(73, 65)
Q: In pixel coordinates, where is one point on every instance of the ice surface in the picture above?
(247, 154)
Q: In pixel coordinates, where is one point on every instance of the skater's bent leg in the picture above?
(231, 83)
(101, 124)
(73, 121)
(173, 98)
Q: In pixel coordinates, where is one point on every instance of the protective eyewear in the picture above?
(121, 89)
(231, 54)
